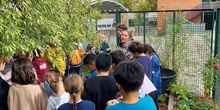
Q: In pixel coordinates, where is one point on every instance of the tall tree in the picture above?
(26, 25)
(139, 5)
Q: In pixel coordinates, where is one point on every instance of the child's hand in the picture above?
(119, 99)
(112, 102)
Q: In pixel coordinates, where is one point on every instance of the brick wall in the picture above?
(176, 4)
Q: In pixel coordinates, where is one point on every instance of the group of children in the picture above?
(114, 81)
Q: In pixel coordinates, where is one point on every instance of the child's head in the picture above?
(53, 81)
(89, 61)
(102, 37)
(29, 56)
(74, 85)
(129, 76)
(40, 54)
(117, 57)
(136, 48)
(2, 64)
(7, 59)
(148, 49)
(121, 27)
(22, 72)
(103, 62)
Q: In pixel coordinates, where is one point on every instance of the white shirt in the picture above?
(54, 102)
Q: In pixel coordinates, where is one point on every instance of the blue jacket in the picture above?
(156, 79)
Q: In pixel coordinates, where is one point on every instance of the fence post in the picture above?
(144, 24)
(213, 27)
(96, 26)
(217, 50)
(173, 39)
(118, 20)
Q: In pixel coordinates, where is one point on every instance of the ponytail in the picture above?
(74, 101)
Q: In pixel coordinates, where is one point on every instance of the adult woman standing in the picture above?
(126, 38)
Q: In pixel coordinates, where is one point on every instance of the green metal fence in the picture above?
(217, 50)
(183, 39)
(217, 38)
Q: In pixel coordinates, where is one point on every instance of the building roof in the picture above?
(108, 6)
(106, 21)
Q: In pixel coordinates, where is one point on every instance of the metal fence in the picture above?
(217, 49)
(183, 39)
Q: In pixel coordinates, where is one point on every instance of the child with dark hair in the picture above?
(40, 66)
(137, 50)
(155, 67)
(101, 88)
(121, 27)
(55, 90)
(117, 57)
(74, 85)
(129, 76)
(25, 94)
(89, 61)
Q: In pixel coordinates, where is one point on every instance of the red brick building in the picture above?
(177, 5)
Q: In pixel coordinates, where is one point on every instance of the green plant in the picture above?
(173, 45)
(185, 104)
(181, 91)
(207, 39)
(210, 74)
(85, 71)
(26, 25)
(163, 97)
(192, 104)
(185, 99)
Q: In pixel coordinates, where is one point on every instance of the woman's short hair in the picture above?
(22, 72)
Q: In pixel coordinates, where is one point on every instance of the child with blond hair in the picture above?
(74, 85)
(55, 90)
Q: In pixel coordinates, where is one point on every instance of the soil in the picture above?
(163, 105)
